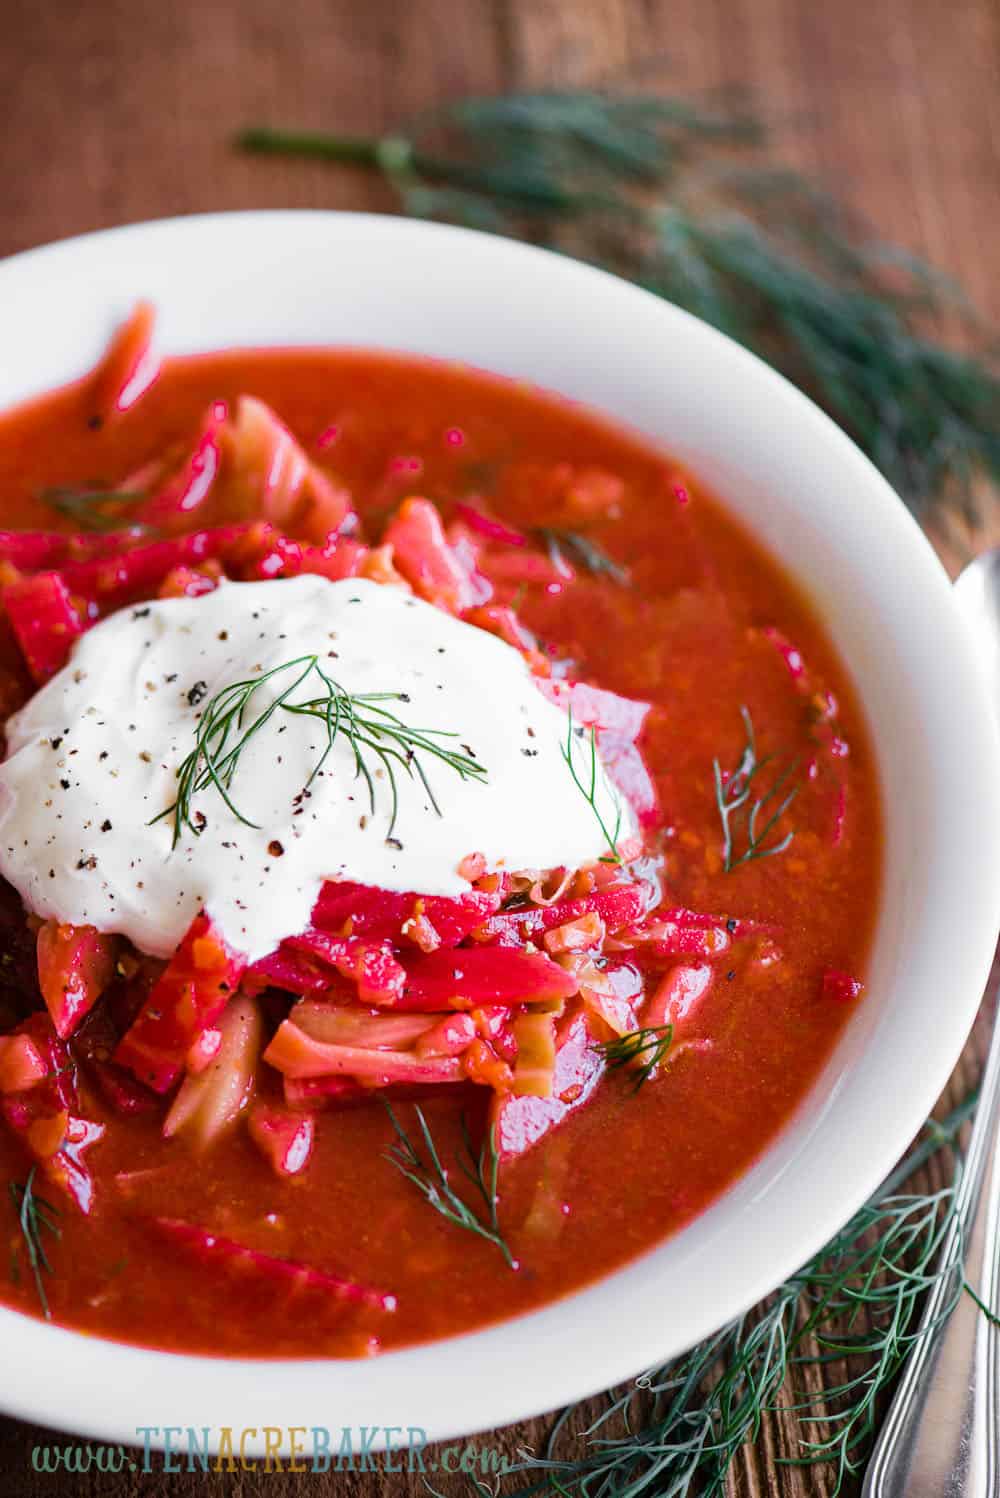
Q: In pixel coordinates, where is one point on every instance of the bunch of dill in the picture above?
(684, 200)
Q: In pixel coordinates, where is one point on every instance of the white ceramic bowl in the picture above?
(327, 278)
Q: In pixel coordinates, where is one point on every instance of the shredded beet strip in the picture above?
(379, 913)
(213, 1249)
(190, 995)
(38, 551)
(44, 621)
(624, 905)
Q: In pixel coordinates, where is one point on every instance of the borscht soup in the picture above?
(439, 849)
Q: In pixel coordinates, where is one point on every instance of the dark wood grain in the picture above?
(119, 110)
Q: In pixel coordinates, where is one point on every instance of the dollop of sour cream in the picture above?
(93, 759)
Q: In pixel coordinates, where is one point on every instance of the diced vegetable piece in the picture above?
(282, 559)
(466, 978)
(45, 1118)
(291, 970)
(297, 1054)
(191, 582)
(840, 987)
(481, 1064)
(579, 935)
(534, 1069)
(495, 1023)
(520, 1122)
(209, 1102)
(44, 622)
(617, 906)
(59, 1090)
(204, 1051)
(678, 996)
(21, 1063)
(67, 1167)
(448, 1037)
(284, 1139)
(425, 559)
(189, 997)
(224, 1253)
(472, 867)
(371, 965)
(43, 1132)
(362, 910)
(419, 930)
(378, 566)
(75, 966)
(336, 559)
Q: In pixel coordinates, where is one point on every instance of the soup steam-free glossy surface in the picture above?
(685, 635)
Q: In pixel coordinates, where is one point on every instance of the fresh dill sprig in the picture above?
(589, 789)
(643, 1049)
(732, 792)
(431, 1179)
(35, 1217)
(370, 729)
(582, 550)
(92, 509)
(680, 199)
(677, 1429)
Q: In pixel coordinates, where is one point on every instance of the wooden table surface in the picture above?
(117, 110)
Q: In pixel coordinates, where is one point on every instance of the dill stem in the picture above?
(384, 153)
(398, 158)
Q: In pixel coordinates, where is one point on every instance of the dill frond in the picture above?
(370, 728)
(36, 1218)
(684, 200)
(641, 1049)
(733, 790)
(431, 1178)
(93, 509)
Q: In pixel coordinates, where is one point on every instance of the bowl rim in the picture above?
(65, 1378)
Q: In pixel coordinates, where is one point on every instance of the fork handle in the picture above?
(940, 1437)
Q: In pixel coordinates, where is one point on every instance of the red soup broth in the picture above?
(707, 623)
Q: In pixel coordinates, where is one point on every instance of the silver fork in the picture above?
(942, 1435)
